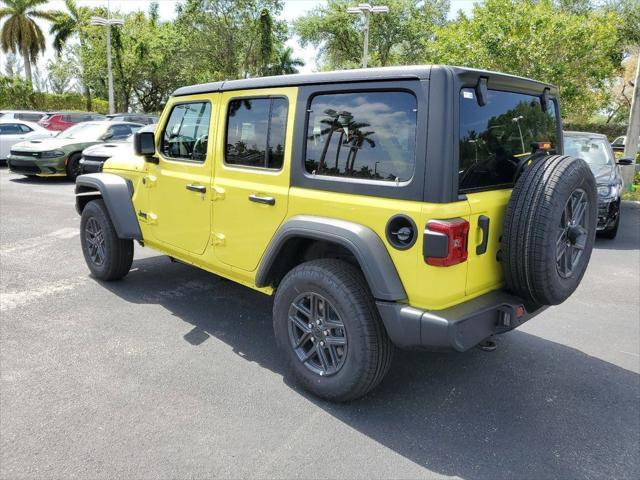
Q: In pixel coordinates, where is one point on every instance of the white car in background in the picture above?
(14, 131)
(26, 115)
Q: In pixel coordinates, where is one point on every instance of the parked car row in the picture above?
(45, 153)
(59, 121)
(81, 148)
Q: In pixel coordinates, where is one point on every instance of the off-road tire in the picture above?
(532, 229)
(369, 350)
(611, 232)
(73, 166)
(118, 253)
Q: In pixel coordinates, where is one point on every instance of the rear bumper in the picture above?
(460, 327)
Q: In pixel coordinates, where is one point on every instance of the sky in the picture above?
(292, 10)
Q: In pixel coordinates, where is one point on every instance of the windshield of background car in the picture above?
(594, 151)
(84, 131)
(496, 137)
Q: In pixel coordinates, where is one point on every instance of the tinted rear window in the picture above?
(494, 138)
(363, 135)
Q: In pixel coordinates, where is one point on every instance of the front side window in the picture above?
(187, 132)
(367, 135)
(256, 129)
(495, 139)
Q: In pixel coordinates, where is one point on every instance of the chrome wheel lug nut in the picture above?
(317, 322)
(313, 339)
(322, 344)
(310, 326)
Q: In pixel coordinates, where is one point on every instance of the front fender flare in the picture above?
(116, 193)
(365, 245)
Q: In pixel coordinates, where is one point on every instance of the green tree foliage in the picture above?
(394, 38)
(580, 52)
(228, 39)
(20, 33)
(285, 63)
(16, 93)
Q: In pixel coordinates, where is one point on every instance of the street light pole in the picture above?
(108, 22)
(366, 10)
(517, 122)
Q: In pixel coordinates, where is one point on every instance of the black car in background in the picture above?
(93, 157)
(596, 150)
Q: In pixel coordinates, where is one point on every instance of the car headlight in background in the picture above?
(606, 190)
(52, 154)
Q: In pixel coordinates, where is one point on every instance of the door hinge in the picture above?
(218, 239)
(149, 181)
(217, 193)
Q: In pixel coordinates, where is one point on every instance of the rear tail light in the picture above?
(445, 242)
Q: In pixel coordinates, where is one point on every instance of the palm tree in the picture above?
(64, 26)
(20, 32)
(285, 64)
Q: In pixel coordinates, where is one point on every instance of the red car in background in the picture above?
(59, 121)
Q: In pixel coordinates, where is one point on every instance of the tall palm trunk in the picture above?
(27, 66)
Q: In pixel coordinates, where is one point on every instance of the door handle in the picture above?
(196, 188)
(264, 200)
(483, 225)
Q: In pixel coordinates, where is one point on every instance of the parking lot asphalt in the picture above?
(173, 373)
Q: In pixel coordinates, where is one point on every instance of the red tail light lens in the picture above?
(445, 242)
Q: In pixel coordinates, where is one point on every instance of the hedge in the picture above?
(611, 130)
(16, 94)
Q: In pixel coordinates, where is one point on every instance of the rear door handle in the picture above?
(264, 200)
(483, 225)
(196, 188)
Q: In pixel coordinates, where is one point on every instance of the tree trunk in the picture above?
(27, 66)
(633, 132)
(87, 94)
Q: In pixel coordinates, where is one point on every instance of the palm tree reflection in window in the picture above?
(366, 135)
(352, 136)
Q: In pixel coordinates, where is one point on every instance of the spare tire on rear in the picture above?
(549, 229)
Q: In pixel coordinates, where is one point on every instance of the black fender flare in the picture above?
(365, 245)
(116, 192)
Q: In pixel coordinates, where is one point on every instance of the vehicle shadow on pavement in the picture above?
(628, 237)
(531, 409)
(40, 180)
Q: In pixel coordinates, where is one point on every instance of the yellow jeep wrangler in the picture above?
(416, 207)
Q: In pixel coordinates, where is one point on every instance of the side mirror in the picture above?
(144, 144)
(107, 136)
(625, 161)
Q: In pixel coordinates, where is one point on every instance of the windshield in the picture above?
(86, 131)
(594, 151)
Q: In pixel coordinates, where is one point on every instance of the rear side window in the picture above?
(187, 132)
(497, 137)
(366, 135)
(25, 128)
(10, 129)
(256, 129)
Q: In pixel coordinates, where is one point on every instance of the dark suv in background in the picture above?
(596, 150)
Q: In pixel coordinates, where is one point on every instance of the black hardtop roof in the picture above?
(411, 72)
